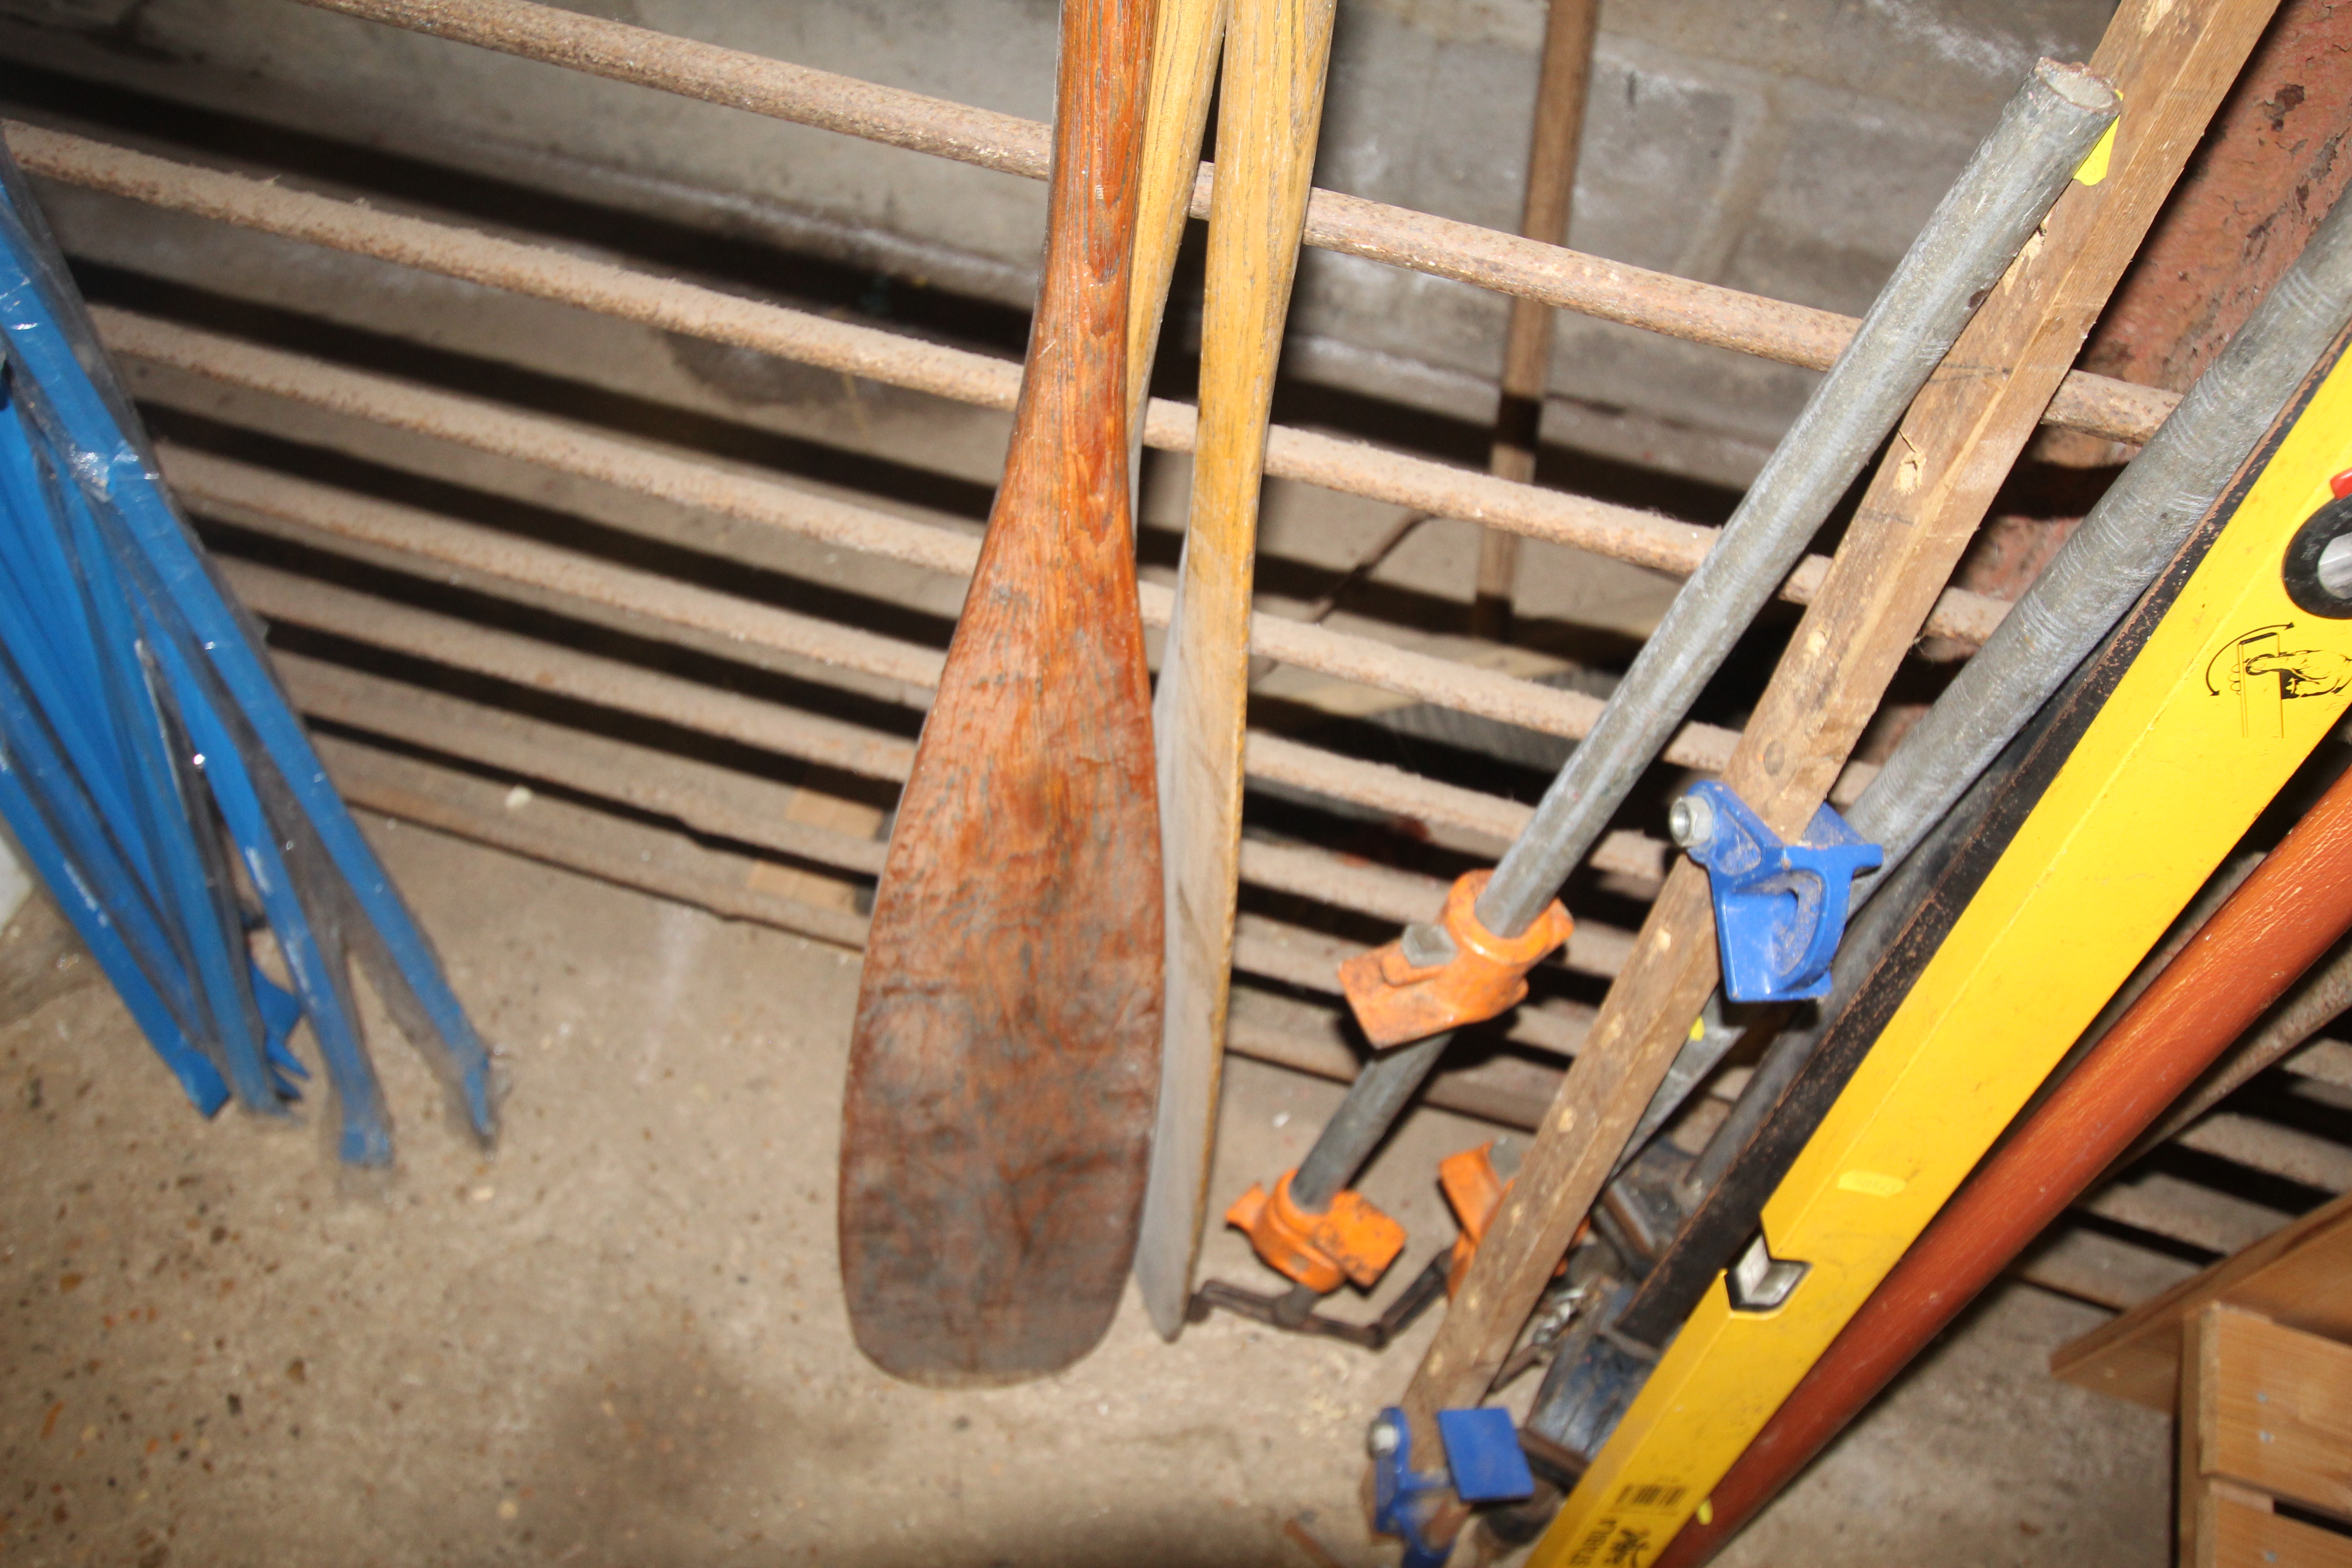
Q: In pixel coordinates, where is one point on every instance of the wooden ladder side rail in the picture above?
(1951, 455)
(2300, 1276)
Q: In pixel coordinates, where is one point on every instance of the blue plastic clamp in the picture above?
(1484, 1464)
(1403, 1496)
(1484, 1457)
(1779, 909)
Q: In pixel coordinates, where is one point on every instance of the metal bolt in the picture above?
(1427, 946)
(1382, 1439)
(1691, 819)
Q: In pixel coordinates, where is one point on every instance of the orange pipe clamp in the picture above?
(1476, 1189)
(1398, 1001)
(1350, 1240)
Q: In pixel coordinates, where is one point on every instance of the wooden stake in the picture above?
(998, 1114)
(1527, 347)
(2172, 63)
(1275, 56)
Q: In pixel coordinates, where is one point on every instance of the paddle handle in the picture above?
(1275, 56)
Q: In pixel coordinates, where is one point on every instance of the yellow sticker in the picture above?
(1698, 1028)
(1870, 1184)
(1706, 1511)
(2095, 167)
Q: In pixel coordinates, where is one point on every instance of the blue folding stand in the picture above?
(144, 741)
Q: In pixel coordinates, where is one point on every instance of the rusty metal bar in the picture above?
(1350, 467)
(380, 623)
(260, 497)
(747, 810)
(1488, 258)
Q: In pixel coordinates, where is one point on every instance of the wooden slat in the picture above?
(2246, 1535)
(1957, 444)
(2301, 1275)
(2273, 1409)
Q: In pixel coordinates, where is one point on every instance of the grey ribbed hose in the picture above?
(2139, 524)
(1983, 220)
(2041, 139)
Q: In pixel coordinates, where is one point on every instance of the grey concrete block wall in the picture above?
(1791, 147)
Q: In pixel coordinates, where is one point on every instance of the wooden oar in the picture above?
(1185, 50)
(1005, 1060)
(1185, 35)
(1275, 56)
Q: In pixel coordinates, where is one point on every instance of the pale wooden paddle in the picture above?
(1276, 55)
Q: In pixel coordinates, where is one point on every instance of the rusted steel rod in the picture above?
(1509, 1091)
(2288, 913)
(1350, 467)
(283, 596)
(1466, 253)
(248, 495)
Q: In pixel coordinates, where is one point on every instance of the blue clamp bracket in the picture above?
(1483, 1463)
(1779, 909)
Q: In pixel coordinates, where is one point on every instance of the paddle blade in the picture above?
(1003, 1072)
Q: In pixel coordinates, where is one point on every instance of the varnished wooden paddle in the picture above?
(1006, 1061)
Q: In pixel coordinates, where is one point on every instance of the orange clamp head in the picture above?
(1476, 1189)
(1398, 1001)
(1350, 1240)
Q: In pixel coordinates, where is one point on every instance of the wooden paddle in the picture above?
(1005, 1060)
(1275, 56)
(1187, 38)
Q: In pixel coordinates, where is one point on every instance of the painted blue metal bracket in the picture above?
(1404, 1498)
(1484, 1456)
(1779, 909)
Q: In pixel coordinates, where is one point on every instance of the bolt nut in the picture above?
(1382, 1439)
(1691, 819)
(1427, 946)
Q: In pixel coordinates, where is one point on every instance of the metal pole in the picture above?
(2139, 524)
(2285, 917)
(1970, 241)
(2108, 562)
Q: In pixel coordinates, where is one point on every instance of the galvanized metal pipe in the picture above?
(1970, 241)
(2108, 561)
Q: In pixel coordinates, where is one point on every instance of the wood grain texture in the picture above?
(1568, 27)
(2300, 1276)
(2243, 1534)
(1270, 111)
(1183, 75)
(1184, 41)
(1958, 441)
(2275, 1409)
(1005, 1059)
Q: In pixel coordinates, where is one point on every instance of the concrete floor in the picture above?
(618, 1339)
